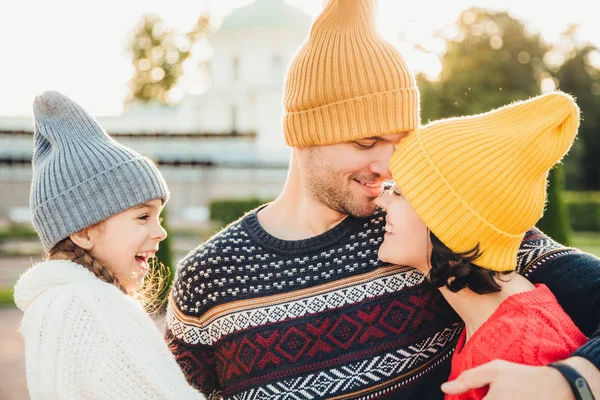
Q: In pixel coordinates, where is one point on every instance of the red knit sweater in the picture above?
(527, 328)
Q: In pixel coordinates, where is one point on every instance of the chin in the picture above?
(391, 255)
(363, 208)
(137, 285)
(383, 255)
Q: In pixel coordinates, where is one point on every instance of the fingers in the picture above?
(474, 378)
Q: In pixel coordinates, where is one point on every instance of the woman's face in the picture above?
(406, 241)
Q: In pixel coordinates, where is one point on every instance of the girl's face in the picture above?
(406, 241)
(125, 242)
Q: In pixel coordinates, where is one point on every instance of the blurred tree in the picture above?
(578, 76)
(492, 61)
(555, 222)
(158, 53)
(165, 249)
(165, 267)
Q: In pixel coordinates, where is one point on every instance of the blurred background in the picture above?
(197, 86)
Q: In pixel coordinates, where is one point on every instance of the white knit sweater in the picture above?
(85, 339)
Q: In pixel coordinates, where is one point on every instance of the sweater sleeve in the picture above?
(574, 278)
(126, 356)
(197, 362)
(187, 337)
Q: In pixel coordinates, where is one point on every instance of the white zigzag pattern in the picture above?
(356, 375)
(530, 251)
(229, 323)
(544, 248)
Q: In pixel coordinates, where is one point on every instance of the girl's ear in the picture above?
(83, 239)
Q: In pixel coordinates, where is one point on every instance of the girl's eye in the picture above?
(144, 217)
(396, 193)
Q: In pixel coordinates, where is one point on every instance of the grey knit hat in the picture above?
(81, 176)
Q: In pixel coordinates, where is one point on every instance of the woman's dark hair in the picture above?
(456, 271)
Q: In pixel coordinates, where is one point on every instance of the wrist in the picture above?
(579, 387)
(588, 370)
(561, 387)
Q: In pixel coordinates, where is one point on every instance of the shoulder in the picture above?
(202, 270)
(106, 305)
(78, 310)
(219, 243)
(538, 251)
(529, 333)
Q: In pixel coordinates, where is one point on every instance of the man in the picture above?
(291, 301)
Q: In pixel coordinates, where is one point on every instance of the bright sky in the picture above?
(79, 47)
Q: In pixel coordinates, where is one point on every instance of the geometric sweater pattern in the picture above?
(255, 317)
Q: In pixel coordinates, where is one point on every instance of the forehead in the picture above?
(155, 204)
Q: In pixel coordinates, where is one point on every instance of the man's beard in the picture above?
(326, 186)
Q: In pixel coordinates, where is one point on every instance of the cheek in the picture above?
(409, 244)
(412, 239)
(349, 162)
(119, 245)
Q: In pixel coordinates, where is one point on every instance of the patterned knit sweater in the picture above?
(527, 328)
(255, 317)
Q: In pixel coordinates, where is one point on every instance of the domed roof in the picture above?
(266, 13)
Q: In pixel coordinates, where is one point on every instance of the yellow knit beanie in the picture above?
(482, 178)
(347, 83)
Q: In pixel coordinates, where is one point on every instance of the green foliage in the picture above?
(578, 76)
(158, 53)
(555, 222)
(492, 61)
(584, 210)
(165, 249)
(6, 297)
(226, 211)
(165, 256)
(18, 231)
(588, 242)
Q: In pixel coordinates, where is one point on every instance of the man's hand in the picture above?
(514, 381)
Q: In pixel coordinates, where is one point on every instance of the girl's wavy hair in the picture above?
(151, 294)
(456, 270)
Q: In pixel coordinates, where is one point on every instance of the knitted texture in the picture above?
(257, 317)
(527, 328)
(81, 176)
(481, 179)
(84, 339)
(346, 82)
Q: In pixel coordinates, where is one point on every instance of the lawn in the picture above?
(587, 241)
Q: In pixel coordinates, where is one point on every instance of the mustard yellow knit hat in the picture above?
(347, 83)
(482, 178)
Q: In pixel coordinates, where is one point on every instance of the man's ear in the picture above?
(83, 239)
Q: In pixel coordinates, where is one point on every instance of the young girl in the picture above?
(467, 190)
(96, 206)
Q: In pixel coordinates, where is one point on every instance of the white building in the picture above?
(244, 103)
(252, 50)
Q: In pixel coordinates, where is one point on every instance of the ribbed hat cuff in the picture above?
(446, 214)
(376, 114)
(103, 195)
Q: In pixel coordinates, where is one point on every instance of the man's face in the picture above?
(348, 177)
